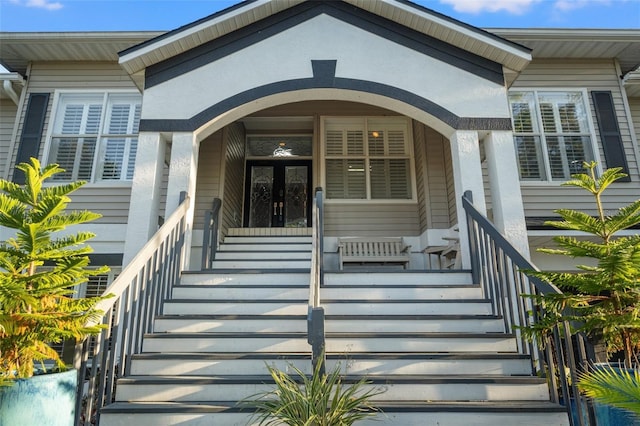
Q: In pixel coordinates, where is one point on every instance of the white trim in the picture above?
(58, 95)
(627, 111)
(595, 145)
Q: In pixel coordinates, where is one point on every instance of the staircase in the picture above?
(428, 339)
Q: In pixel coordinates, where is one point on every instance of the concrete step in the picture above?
(406, 307)
(262, 247)
(250, 277)
(343, 343)
(267, 240)
(369, 364)
(226, 342)
(332, 307)
(408, 277)
(287, 263)
(507, 413)
(396, 388)
(333, 323)
(275, 254)
(234, 292)
(236, 307)
(231, 291)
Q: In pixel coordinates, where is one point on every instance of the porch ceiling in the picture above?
(426, 21)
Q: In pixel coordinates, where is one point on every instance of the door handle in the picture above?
(281, 205)
(275, 209)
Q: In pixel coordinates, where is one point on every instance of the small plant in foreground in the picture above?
(319, 400)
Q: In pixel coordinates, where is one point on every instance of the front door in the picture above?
(277, 194)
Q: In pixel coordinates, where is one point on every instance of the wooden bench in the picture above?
(373, 250)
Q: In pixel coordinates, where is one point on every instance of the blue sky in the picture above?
(127, 15)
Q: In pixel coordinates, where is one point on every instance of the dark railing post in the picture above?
(210, 234)
(316, 339)
(503, 274)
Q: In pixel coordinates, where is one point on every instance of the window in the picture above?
(551, 134)
(95, 136)
(367, 158)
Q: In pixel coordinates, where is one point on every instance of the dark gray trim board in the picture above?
(231, 43)
(323, 80)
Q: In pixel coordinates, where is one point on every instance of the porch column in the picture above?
(144, 205)
(467, 176)
(183, 170)
(506, 197)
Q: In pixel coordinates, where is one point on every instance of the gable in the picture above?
(324, 45)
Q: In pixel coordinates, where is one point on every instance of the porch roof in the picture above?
(511, 55)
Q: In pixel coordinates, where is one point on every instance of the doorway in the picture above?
(277, 194)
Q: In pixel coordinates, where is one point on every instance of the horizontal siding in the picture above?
(46, 77)
(590, 75)
(438, 156)
(234, 177)
(371, 219)
(209, 176)
(111, 202)
(8, 111)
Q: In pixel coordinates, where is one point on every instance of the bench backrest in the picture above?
(372, 247)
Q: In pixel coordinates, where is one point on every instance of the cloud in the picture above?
(516, 7)
(40, 4)
(568, 5)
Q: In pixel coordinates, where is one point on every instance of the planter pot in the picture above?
(47, 399)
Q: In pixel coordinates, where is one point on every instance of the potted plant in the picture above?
(40, 269)
(601, 298)
(321, 400)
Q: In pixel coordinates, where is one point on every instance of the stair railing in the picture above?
(210, 234)
(315, 313)
(501, 272)
(138, 293)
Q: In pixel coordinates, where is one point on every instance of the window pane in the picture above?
(397, 142)
(346, 179)
(548, 120)
(75, 156)
(114, 151)
(529, 152)
(376, 142)
(132, 158)
(119, 119)
(355, 142)
(334, 142)
(556, 163)
(570, 108)
(523, 112)
(390, 179)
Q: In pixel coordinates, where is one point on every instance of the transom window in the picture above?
(551, 134)
(95, 136)
(367, 158)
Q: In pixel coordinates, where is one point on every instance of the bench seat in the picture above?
(373, 250)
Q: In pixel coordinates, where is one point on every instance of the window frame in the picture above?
(56, 110)
(594, 141)
(410, 156)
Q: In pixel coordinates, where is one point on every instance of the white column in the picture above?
(183, 170)
(467, 176)
(506, 197)
(145, 193)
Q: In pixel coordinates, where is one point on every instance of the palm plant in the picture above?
(603, 298)
(319, 400)
(619, 388)
(39, 272)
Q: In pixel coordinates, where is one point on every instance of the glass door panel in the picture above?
(277, 194)
(260, 196)
(296, 182)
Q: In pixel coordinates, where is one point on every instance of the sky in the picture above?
(142, 15)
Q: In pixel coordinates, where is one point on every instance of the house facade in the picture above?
(394, 109)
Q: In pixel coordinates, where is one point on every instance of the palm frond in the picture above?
(619, 388)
